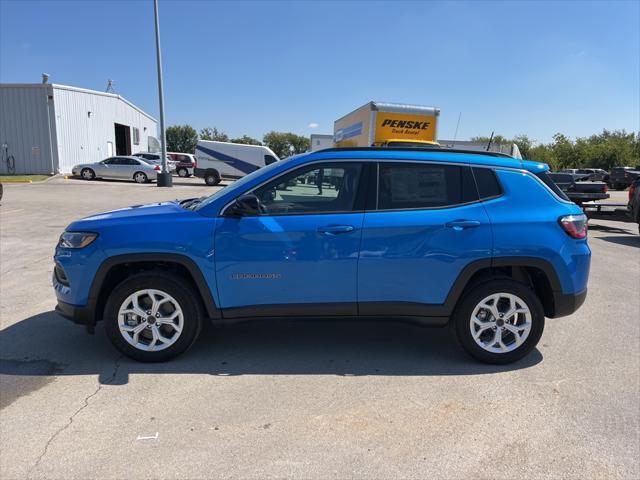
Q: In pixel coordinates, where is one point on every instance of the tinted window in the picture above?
(322, 188)
(109, 161)
(269, 159)
(487, 182)
(411, 185)
(546, 179)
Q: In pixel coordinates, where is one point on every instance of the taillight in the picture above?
(157, 168)
(605, 189)
(632, 189)
(574, 225)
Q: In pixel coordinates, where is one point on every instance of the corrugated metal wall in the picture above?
(24, 128)
(73, 135)
(82, 136)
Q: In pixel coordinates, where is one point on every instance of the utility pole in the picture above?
(164, 177)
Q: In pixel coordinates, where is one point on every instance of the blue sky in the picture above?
(250, 67)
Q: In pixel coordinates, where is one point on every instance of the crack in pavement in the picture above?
(71, 418)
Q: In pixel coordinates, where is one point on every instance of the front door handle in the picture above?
(462, 224)
(335, 229)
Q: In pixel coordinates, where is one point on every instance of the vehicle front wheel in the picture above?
(87, 174)
(140, 177)
(152, 317)
(499, 321)
(183, 172)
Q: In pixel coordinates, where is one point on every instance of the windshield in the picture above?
(239, 184)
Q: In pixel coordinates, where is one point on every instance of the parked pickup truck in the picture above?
(622, 177)
(577, 189)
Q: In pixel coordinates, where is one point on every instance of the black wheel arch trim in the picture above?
(196, 274)
(467, 273)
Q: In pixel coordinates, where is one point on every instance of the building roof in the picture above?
(76, 89)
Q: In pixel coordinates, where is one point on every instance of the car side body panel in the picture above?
(413, 256)
(522, 228)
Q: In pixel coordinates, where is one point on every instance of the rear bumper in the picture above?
(80, 315)
(566, 304)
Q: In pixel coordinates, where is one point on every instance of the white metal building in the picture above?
(48, 128)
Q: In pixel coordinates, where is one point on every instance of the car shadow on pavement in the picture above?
(632, 241)
(48, 345)
(608, 229)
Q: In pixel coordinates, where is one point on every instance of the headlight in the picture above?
(76, 239)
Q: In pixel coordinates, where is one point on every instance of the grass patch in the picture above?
(22, 178)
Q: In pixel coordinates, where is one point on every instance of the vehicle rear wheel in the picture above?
(212, 178)
(87, 174)
(152, 317)
(499, 321)
(183, 172)
(140, 177)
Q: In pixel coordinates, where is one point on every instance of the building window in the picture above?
(136, 136)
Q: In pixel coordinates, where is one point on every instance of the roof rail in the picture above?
(416, 149)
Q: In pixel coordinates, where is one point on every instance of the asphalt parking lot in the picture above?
(312, 400)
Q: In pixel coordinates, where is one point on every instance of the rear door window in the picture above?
(403, 186)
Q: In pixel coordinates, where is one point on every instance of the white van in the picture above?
(218, 160)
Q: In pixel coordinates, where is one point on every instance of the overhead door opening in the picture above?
(123, 139)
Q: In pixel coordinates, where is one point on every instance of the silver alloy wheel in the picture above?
(182, 172)
(150, 320)
(87, 174)
(500, 323)
(140, 177)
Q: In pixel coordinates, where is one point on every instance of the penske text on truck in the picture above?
(381, 124)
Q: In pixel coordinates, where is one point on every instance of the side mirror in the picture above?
(246, 205)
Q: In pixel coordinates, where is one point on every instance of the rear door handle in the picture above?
(462, 224)
(335, 229)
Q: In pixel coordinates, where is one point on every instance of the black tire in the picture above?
(460, 322)
(182, 172)
(87, 174)
(212, 178)
(140, 177)
(165, 282)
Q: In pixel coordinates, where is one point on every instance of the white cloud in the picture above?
(313, 125)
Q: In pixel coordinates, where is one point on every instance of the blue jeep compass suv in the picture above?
(480, 241)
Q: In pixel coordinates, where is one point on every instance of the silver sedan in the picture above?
(121, 168)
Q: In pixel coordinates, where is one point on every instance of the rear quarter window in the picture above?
(487, 183)
(546, 179)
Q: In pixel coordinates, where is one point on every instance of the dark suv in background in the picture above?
(622, 177)
(634, 202)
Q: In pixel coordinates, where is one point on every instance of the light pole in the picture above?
(164, 177)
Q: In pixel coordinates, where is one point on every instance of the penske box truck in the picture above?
(379, 124)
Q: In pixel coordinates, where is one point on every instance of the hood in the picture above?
(150, 212)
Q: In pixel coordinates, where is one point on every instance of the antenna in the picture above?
(455, 135)
(110, 88)
(490, 140)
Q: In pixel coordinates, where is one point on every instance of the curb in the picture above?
(17, 181)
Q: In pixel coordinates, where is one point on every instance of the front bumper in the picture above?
(78, 314)
(566, 304)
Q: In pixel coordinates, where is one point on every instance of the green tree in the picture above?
(181, 138)
(246, 140)
(524, 144)
(209, 133)
(285, 144)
